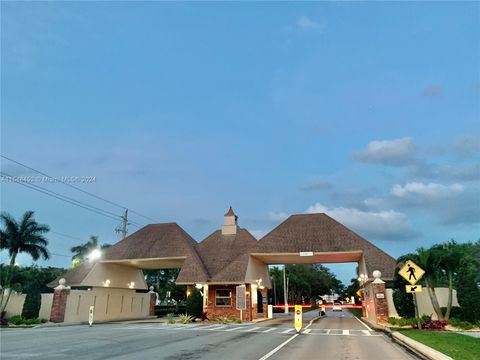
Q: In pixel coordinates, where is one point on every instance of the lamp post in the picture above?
(285, 294)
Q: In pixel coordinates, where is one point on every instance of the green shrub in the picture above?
(16, 320)
(402, 321)
(222, 319)
(464, 325)
(185, 318)
(31, 306)
(171, 318)
(236, 320)
(195, 304)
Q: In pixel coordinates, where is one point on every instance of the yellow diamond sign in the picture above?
(411, 272)
(413, 288)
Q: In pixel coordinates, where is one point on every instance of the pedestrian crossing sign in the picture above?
(411, 272)
(413, 288)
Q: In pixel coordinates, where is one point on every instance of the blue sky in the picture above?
(366, 111)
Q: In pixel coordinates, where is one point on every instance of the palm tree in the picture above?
(429, 260)
(24, 236)
(81, 252)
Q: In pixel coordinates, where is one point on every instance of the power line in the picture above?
(65, 235)
(77, 188)
(72, 201)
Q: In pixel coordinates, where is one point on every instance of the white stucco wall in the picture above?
(15, 305)
(46, 306)
(257, 270)
(424, 303)
(110, 304)
(120, 276)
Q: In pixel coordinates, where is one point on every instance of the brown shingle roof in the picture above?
(74, 276)
(229, 212)
(218, 251)
(321, 233)
(152, 241)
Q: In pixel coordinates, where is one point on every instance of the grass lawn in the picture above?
(457, 346)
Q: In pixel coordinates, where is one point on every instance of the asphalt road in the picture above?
(338, 336)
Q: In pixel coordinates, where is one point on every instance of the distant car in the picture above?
(337, 306)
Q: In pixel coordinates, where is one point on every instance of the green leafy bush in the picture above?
(464, 325)
(222, 319)
(16, 320)
(195, 304)
(236, 320)
(402, 321)
(171, 318)
(31, 306)
(185, 318)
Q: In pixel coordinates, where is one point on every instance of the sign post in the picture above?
(298, 318)
(90, 315)
(241, 299)
(412, 273)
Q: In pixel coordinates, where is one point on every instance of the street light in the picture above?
(362, 278)
(94, 255)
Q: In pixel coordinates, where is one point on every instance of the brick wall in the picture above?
(231, 311)
(381, 305)
(59, 304)
(153, 301)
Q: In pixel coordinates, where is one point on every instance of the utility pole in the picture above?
(285, 289)
(123, 228)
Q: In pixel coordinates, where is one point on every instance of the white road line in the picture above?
(366, 332)
(361, 322)
(306, 331)
(268, 330)
(266, 356)
(345, 332)
(287, 331)
(235, 328)
(217, 327)
(253, 329)
(328, 331)
(205, 327)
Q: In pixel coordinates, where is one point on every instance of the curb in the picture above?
(420, 349)
(375, 326)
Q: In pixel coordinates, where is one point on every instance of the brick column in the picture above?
(59, 302)
(153, 301)
(381, 306)
(265, 305)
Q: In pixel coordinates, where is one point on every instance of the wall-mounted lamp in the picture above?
(106, 283)
(363, 278)
(198, 286)
(131, 284)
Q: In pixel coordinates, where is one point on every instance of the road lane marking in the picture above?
(287, 331)
(366, 332)
(361, 322)
(345, 332)
(217, 328)
(306, 331)
(266, 356)
(235, 328)
(253, 329)
(268, 330)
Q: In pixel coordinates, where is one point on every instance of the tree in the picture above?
(429, 260)
(81, 252)
(468, 283)
(195, 304)
(24, 236)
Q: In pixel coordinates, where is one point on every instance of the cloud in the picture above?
(316, 185)
(277, 216)
(431, 191)
(457, 172)
(463, 146)
(396, 152)
(381, 225)
(433, 90)
(305, 23)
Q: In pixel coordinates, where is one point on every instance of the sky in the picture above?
(367, 111)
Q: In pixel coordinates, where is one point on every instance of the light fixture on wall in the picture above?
(131, 284)
(198, 286)
(106, 283)
(362, 279)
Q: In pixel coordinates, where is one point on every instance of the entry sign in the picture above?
(411, 272)
(90, 315)
(298, 317)
(241, 297)
(413, 288)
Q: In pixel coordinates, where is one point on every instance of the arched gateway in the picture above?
(231, 256)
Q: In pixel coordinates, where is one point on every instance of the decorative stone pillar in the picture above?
(265, 303)
(380, 298)
(153, 301)
(59, 302)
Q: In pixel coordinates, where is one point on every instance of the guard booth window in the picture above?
(223, 297)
